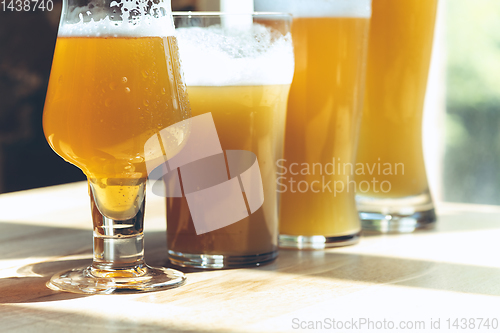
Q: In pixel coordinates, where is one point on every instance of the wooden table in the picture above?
(413, 279)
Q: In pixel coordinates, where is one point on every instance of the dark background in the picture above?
(27, 41)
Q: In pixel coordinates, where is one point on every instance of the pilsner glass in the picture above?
(390, 147)
(318, 206)
(238, 67)
(115, 83)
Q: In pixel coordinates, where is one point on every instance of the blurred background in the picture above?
(461, 123)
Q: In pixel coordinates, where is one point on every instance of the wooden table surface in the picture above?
(425, 278)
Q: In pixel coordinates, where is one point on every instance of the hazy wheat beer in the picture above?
(240, 72)
(96, 119)
(401, 35)
(324, 110)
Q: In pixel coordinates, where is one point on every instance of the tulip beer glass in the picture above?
(390, 146)
(318, 208)
(115, 83)
(238, 68)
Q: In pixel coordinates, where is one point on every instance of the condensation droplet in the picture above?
(145, 74)
(163, 91)
(127, 90)
(145, 102)
(124, 79)
(108, 102)
(112, 85)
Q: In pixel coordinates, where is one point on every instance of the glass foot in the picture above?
(210, 261)
(401, 215)
(141, 279)
(396, 223)
(317, 242)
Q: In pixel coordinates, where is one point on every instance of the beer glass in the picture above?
(316, 178)
(238, 69)
(390, 147)
(115, 83)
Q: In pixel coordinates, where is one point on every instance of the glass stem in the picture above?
(118, 245)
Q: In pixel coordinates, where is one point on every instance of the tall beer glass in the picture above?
(115, 83)
(390, 147)
(238, 68)
(316, 180)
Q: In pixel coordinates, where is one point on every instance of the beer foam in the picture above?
(214, 56)
(317, 8)
(127, 18)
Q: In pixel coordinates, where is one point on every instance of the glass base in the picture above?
(401, 215)
(209, 261)
(317, 242)
(142, 279)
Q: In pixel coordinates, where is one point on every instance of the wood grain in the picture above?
(453, 271)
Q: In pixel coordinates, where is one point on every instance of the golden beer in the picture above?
(324, 111)
(248, 118)
(115, 87)
(401, 36)
(112, 95)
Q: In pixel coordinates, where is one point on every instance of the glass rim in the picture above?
(218, 13)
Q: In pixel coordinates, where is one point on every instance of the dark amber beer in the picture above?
(238, 68)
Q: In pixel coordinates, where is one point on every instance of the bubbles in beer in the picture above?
(317, 8)
(235, 56)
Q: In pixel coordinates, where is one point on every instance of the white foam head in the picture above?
(130, 18)
(214, 56)
(317, 8)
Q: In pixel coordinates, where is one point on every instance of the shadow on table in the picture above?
(375, 269)
(24, 242)
(26, 283)
(30, 284)
(22, 319)
(454, 222)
